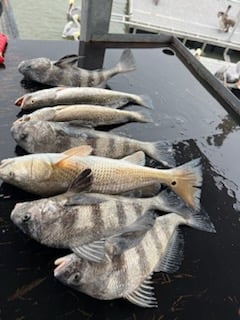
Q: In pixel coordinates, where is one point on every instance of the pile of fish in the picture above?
(92, 180)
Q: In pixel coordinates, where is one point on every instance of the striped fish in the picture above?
(150, 244)
(46, 136)
(96, 96)
(64, 73)
(75, 220)
(52, 173)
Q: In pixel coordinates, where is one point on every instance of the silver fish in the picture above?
(53, 173)
(45, 136)
(84, 95)
(91, 115)
(150, 244)
(75, 220)
(63, 72)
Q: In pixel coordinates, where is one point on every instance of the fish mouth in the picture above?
(60, 263)
(20, 101)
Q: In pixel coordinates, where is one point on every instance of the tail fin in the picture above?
(142, 116)
(170, 202)
(127, 62)
(199, 220)
(187, 181)
(160, 151)
(146, 101)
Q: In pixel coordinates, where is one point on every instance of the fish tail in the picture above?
(168, 201)
(186, 182)
(160, 151)
(199, 220)
(142, 116)
(126, 63)
(145, 101)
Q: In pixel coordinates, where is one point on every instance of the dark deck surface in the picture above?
(207, 285)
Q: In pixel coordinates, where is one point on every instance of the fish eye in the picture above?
(32, 101)
(76, 277)
(23, 136)
(11, 174)
(26, 217)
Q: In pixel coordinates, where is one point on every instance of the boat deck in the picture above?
(186, 113)
(190, 20)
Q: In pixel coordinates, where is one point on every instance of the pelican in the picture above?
(72, 27)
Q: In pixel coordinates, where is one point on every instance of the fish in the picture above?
(74, 220)
(48, 174)
(52, 137)
(63, 72)
(84, 95)
(151, 244)
(90, 115)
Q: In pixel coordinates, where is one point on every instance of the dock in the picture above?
(188, 20)
(8, 25)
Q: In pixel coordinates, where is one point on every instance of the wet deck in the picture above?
(207, 284)
(194, 20)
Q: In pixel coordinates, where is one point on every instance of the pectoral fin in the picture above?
(82, 182)
(94, 251)
(143, 296)
(131, 235)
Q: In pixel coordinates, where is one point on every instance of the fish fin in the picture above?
(82, 182)
(146, 101)
(143, 296)
(173, 257)
(84, 199)
(66, 164)
(187, 181)
(126, 62)
(81, 151)
(136, 158)
(162, 152)
(68, 59)
(131, 235)
(170, 202)
(94, 251)
(143, 116)
(82, 123)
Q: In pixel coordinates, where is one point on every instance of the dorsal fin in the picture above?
(136, 158)
(173, 257)
(67, 60)
(80, 151)
(144, 295)
(85, 199)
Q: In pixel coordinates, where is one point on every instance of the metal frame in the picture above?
(95, 39)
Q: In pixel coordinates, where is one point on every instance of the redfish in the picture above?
(52, 173)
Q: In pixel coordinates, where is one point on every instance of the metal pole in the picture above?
(95, 19)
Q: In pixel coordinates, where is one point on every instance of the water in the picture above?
(45, 19)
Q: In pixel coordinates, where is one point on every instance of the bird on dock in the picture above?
(72, 27)
(229, 75)
(224, 21)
